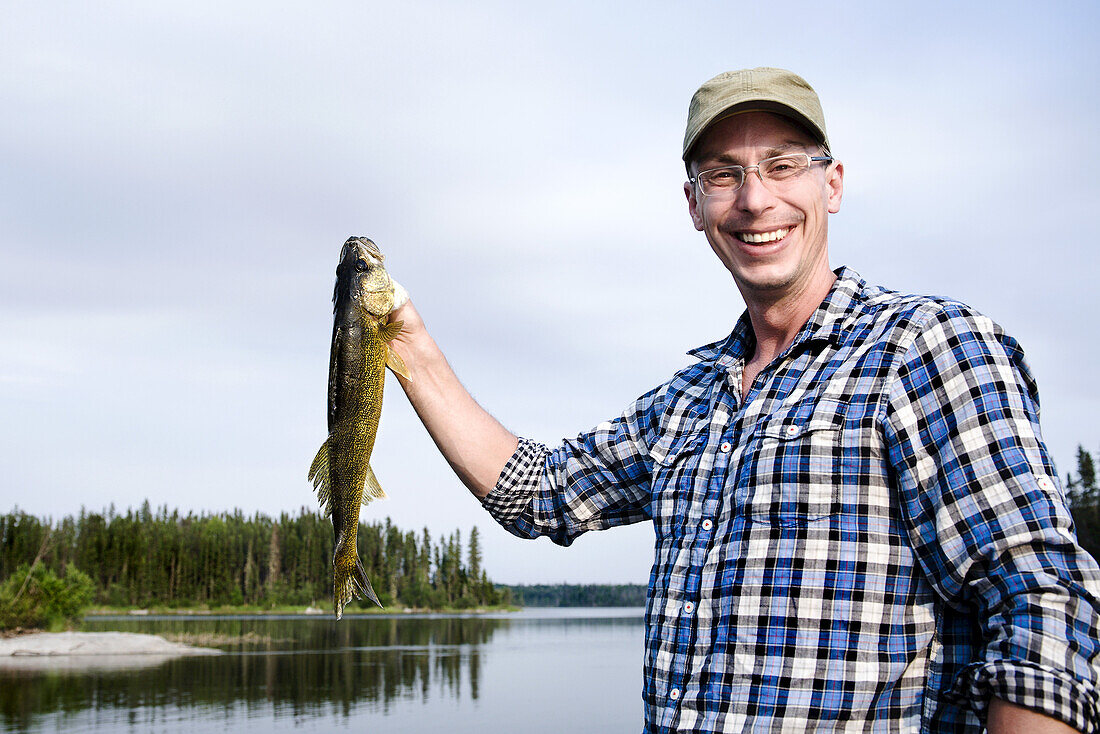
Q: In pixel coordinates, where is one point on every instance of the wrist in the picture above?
(419, 349)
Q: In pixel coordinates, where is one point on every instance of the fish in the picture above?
(363, 298)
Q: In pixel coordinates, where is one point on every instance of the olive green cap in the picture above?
(762, 89)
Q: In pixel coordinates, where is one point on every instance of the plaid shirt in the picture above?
(873, 539)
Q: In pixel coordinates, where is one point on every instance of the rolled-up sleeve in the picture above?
(988, 520)
(598, 480)
(517, 484)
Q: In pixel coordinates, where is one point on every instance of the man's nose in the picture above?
(754, 195)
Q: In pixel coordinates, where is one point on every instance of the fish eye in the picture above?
(360, 265)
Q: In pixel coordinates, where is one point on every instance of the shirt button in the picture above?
(674, 694)
(1045, 484)
(707, 524)
(688, 607)
(725, 447)
(791, 430)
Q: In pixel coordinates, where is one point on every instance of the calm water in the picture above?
(540, 670)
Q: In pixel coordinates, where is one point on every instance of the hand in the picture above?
(413, 333)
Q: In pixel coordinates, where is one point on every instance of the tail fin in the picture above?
(363, 588)
(349, 582)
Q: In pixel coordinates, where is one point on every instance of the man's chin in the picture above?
(762, 280)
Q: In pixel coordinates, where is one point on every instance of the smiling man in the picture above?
(858, 527)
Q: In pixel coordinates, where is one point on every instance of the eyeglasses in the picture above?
(776, 172)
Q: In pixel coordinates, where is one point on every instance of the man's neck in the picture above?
(776, 322)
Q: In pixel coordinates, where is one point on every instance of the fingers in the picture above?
(400, 295)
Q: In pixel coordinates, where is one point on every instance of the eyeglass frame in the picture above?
(694, 180)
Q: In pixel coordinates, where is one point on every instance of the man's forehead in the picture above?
(766, 151)
(753, 131)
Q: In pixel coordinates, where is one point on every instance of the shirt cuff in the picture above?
(1056, 694)
(517, 483)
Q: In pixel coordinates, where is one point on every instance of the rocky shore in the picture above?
(91, 649)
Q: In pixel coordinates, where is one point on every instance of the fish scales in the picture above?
(364, 296)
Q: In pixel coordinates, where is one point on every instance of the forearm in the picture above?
(474, 443)
(1008, 718)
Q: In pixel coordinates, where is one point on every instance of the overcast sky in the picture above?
(176, 180)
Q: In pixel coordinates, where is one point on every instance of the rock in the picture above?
(51, 644)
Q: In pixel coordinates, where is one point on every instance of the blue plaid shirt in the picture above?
(873, 539)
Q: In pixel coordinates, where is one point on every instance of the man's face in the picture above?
(797, 261)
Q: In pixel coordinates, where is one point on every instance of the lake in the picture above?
(539, 670)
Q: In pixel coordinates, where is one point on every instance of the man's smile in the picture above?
(756, 238)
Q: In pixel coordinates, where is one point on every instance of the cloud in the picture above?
(178, 180)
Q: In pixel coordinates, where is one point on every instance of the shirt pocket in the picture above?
(675, 468)
(794, 474)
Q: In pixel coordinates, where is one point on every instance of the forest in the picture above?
(162, 558)
(579, 595)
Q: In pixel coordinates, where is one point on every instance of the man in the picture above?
(858, 526)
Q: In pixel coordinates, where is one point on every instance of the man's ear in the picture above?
(834, 180)
(693, 205)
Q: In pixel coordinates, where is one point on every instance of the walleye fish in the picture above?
(365, 295)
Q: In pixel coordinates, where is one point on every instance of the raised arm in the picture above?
(474, 443)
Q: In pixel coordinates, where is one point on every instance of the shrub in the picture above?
(46, 601)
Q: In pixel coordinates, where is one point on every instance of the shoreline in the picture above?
(281, 611)
(35, 648)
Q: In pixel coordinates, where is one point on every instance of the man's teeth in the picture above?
(756, 239)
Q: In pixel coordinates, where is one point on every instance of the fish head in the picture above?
(363, 278)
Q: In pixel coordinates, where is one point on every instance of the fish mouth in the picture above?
(765, 237)
(362, 248)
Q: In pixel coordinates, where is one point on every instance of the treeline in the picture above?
(1084, 502)
(161, 558)
(578, 595)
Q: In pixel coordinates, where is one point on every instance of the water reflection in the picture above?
(291, 667)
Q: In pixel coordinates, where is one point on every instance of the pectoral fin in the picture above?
(389, 332)
(318, 474)
(395, 363)
(371, 488)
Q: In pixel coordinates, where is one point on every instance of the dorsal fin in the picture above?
(333, 393)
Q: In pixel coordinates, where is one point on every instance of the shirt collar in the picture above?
(827, 323)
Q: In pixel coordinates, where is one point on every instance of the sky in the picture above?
(176, 180)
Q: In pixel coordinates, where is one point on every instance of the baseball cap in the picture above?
(747, 90)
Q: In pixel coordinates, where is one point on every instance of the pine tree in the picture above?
(1084, 499)
(274, 561)
(474, 562)
(1086, 473)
